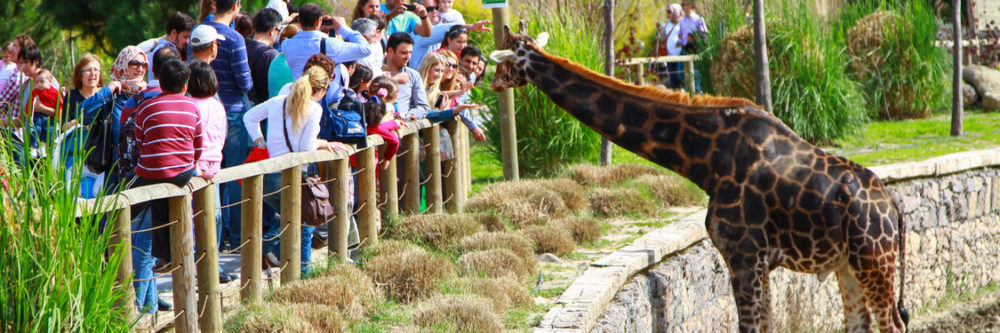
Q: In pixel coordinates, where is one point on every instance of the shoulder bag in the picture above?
(316, 207)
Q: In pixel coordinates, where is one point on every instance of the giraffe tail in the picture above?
(901, 306)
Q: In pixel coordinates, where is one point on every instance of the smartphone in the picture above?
(410, 7)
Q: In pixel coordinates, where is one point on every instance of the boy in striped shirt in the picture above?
(169, 134)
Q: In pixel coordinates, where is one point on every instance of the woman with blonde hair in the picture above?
(433, 70)
(298, 115)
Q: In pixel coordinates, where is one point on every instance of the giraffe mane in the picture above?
(654, 93)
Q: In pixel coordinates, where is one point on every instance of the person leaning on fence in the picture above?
(412, 102)
(298, 114)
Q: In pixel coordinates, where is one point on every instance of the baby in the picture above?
(45, 90)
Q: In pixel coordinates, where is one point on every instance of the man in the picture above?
(260, 53)
(692, 33)
(16, 97)
(205, 43)
(178, 34)
(422, 45)
(233, 75)
(399, 19)
(306, 43)
(411, 103)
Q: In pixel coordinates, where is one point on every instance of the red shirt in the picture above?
(168, 130)
(47, 97)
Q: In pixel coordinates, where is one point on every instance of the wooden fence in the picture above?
(688, 61)
(197, 296)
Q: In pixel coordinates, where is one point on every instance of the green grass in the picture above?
(886, 142)
(551, 292)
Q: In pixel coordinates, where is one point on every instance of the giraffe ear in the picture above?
(542, 39)
(502, 55)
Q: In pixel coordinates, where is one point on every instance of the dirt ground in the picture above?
(979, 315)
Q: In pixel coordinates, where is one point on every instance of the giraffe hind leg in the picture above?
(748, 281)
(877, 284)
(857, 318)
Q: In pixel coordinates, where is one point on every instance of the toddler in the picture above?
(448, 14)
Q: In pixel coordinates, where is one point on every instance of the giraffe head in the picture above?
(512, 58)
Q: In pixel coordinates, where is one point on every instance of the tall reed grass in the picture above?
(57, 272)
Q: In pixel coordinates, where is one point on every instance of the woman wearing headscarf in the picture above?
(128, 78)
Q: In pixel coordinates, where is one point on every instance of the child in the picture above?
(8, 66)
(45, 96)
(449, 14)
(375, 110)
(392, 90)
(202, 85)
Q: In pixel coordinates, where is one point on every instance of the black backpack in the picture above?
(101, 140)
(128, 146)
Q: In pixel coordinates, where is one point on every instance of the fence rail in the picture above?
(688, 61)
(196, 281)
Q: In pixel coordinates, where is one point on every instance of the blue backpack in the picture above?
(347, 126)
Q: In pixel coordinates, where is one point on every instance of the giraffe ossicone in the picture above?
(776, 200)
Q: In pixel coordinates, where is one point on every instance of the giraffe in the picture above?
(775, 199)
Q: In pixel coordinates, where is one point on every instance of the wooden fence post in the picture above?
(182, 255)
(206, 245)
(251, 257)
(122, 238)
(410, 174)
(339, 227)
(689, 76)
(453, 171)
(388, 192)
(432, 164)
(291, 223)
(367, 197)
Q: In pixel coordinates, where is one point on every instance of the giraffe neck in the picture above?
(669, 134)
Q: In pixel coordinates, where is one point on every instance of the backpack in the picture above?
(342, 120)
(128, 146)
(101, 140)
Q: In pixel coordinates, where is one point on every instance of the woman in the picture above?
(298, 114)
(87, 79)
(364, 8)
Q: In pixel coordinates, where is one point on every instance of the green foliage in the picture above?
(55, 271)
(547, 136)
(25, 17)
(902, 73)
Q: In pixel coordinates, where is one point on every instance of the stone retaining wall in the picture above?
(673, 279)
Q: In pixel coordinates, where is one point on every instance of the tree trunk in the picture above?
(956, 80)
(609, 65)
(761, 71)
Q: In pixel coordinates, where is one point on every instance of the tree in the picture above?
(762, 74)
(25, 17)
(120, 23)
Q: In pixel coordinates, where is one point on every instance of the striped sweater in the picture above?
(168, 129)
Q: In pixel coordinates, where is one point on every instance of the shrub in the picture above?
(439, 230)
(516, 243)
(492, 263)
(588, 174)
(672, 190)
(286, 317)
(410, 275)
(457, 313)
(810, 89)
(492, 221)
(550, 239)
(543, 150)
(621, 202)
(344, 287)
(892, 54)
(583, 229)
(503, 292)
(523, 202)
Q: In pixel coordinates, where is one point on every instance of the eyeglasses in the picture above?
(137, 63)
(432, 8)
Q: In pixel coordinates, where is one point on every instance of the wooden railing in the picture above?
(688, 61)
(192, 212)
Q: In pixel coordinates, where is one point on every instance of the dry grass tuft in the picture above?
(291, 317)
(605, 176)
(516, 243)
(492, 263)
(492, 221)
(583, 229)
(620, 202)
(550, 239)
(457, 313)
(391, 246)
(410, 275)
(439, 230)
(672, 191)
(570, 191)
(344, 287)
(530, 202)
(504, 292)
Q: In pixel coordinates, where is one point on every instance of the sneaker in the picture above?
(226, 277)
(272, 259)
(163, 305)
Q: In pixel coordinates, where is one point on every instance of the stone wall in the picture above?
(952, 208)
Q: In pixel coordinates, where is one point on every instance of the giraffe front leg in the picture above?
(749, 281)
(857, 318)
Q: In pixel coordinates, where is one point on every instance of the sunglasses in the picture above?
(432, 8)
(453, 65)
(137, 63)
(457, 32)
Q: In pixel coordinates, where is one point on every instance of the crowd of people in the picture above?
(681, 34)
(216, 92)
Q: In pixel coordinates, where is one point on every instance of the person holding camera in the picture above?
(408, 18)
(314, 38)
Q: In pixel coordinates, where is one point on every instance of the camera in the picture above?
(328, 21)
(410, 7)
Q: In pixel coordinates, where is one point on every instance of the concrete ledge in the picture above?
(938, 166)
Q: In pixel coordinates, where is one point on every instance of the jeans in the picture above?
(160, 212)
(675, 75)
(234, 152)
(146, 297)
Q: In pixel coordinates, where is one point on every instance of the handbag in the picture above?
(101, 141)
(316, 207)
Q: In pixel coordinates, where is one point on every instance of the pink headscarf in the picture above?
(119, 71)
